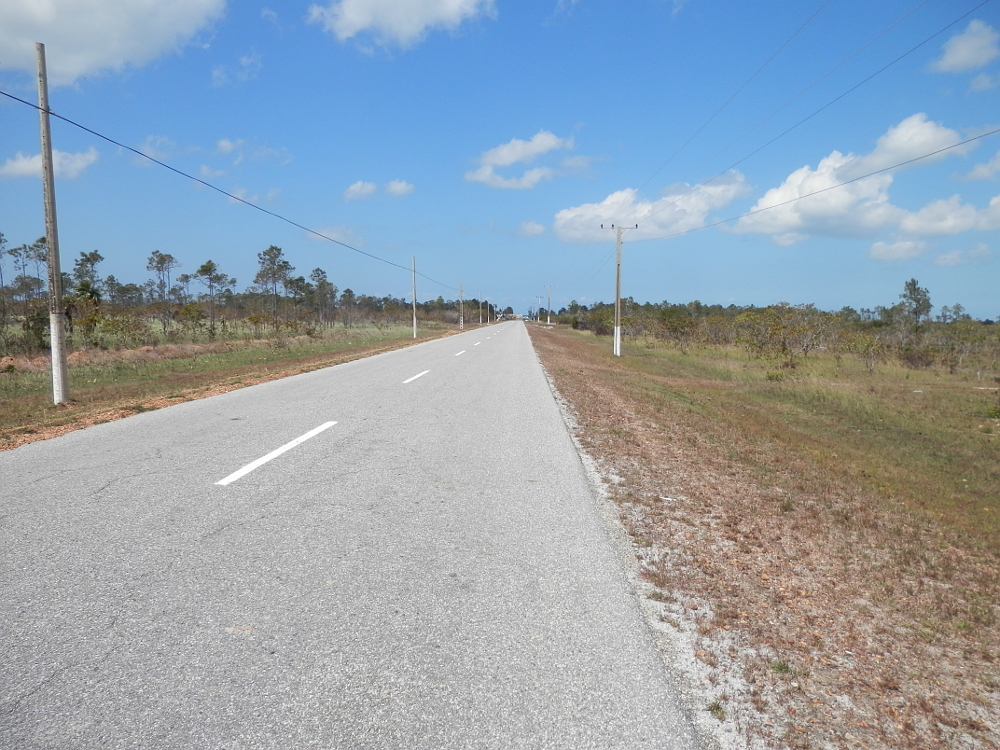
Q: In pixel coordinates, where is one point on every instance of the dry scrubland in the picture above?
(820, 540)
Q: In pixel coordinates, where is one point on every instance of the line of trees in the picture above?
(906, 330)
(104, 312)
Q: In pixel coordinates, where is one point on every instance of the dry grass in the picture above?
(108, 385)
(810, 535)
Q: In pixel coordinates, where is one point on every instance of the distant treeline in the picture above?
(104, 312)
(906, 330)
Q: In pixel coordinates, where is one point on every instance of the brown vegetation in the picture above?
(820, 540)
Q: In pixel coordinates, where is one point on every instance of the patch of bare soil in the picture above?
(807, 612)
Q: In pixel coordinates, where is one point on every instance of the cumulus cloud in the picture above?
(859, 209)
(359, 189)
(972, 48)
(85, 37)
(518, 151)
(964, 257)
(985, 171)
(903, 250)
(399, 188)
(681, 209)
(401, 22)
(530, 229)
(951, 216)
(65, 165)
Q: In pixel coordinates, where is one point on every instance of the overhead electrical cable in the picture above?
(812, 85)
(821, 190)
(228, 194)
(710, 119)
(830, 103)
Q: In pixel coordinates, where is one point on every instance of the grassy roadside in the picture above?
(821, 541)
(107, 385)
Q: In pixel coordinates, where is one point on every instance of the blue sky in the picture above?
(491, 139)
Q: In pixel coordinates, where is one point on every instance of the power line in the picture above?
(815, 83)
(828, 104)
(224, 192)
(822, 190)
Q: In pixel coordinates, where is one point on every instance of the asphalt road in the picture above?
(430, 571)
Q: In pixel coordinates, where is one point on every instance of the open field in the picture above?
(820, 541)
(111, 384)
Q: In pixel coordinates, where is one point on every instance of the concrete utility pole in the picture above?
(538, 310)
(413, 266)
(60, 379)
(461, 309)
(480, 312)
(618, 287)
(548, 306)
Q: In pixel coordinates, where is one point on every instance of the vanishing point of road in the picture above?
(399, 552)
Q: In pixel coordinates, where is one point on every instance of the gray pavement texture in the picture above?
(430, 572)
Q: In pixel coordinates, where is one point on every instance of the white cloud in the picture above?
(64, 164)
(85, 37)
(403, 22)
(399, 188)
(359, 189)
(897, 250)
(226, 146)
(859, 209)
(518, 151)
(526, 181)
(961, 258)
(984, 82)
(682, 209)
(269, 15)
(207, 172)
(243, 195)
(156, 147)
(951, 216)
(985, 171)
(972, 48)
(530, 229)
(245, 70)
(340, 233)
(948, 216)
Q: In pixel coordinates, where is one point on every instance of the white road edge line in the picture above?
(418, 375)
(460, 353)
(274, 454)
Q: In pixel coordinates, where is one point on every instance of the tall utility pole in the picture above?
(548, 306)
(60, 380)
(538, 309)
(480, 312)
(461, 309)
(413, 267)
(618, 287)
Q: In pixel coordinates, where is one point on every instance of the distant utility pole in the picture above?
(461, 309)
(60, 381)
(618, 287)
(487, 312)
(413, 267)
(480, 312)
(538, 310)
(548, 306)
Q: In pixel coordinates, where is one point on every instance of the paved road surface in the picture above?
(428, 572)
